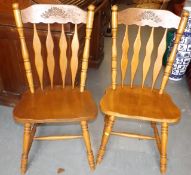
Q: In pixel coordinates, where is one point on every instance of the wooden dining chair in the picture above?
(54, 104)
(141, 102)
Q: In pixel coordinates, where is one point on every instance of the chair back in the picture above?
(152, 18)
(50, 14)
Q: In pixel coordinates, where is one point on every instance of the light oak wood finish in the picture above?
(26, 145)
(105, 123)
(38, 56)
(86, 52)
(114, 47)
(50, 56)
(137, 101)
(86, 136)
(124, 59)
(106, 134)
(63, 56)
(135, 59)
(147, 59)
(156, 133)
(14, 83)
(32, 134)
(24, 50)
(58, 137)
(164, 140)
(54, 104)
(74, 59)
(138, 136)
(158, 62)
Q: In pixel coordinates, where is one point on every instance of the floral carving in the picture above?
(148, 15)
(54, 11)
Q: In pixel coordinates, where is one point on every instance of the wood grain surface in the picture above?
(55, 105)
(139, 103)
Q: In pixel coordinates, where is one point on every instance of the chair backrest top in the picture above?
(50, 13)
(145, 17)
(150, 17)
(62, 14)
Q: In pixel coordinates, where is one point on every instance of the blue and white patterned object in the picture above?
(188, 27)
(183, 55)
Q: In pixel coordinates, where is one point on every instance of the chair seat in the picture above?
(55, 105)
(139, 103)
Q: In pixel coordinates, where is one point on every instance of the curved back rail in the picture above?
(152, 18)
(50, 14)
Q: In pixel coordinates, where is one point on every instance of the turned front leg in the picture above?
(26, 144)
(164, 140)
(105, 123)
(32, 134)
(86, 137)
(106, 133)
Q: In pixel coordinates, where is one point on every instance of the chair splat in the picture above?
(50, 56)
(38, 56)
(147, 59)
(63, 56)
(135, 59)
(74, 59)
(158, 62)
(124, 59)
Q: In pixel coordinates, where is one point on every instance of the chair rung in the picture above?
(58, 137)
(133, 135)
